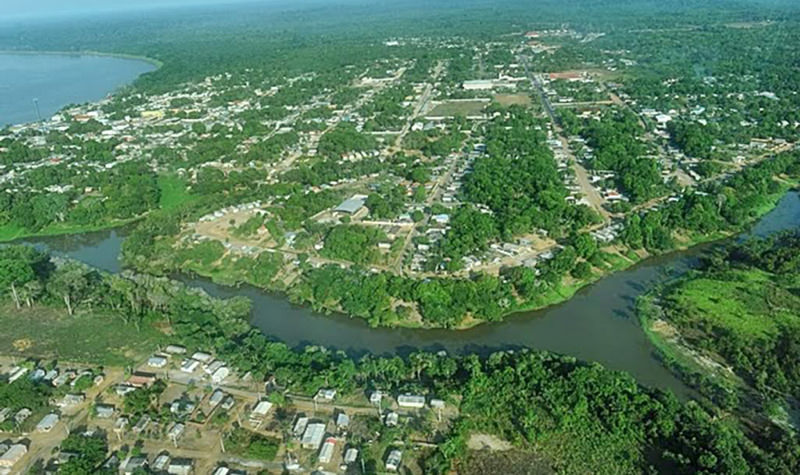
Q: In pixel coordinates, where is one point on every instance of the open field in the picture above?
(173, 191)
(746, 303)
(506, 100)
(89, 337)
(458, 108)
(11, 232)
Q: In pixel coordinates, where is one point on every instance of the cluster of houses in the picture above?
(161, 463)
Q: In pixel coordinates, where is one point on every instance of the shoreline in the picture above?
(553, 297)
(569, 289)
(133, 57)
(67, 231)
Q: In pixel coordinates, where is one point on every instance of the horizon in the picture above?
(58, 9)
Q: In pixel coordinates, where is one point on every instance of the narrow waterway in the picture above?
(598, 324)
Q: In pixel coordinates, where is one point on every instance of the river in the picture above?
(56, 80)
(597, 324)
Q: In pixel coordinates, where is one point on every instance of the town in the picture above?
(183, 413)
(574, 222)
(383, 167)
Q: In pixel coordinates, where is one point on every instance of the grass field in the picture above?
(506, 100)
(173, 191)
(747, 303)
(88, 337)
(458, 108)
(10, 232)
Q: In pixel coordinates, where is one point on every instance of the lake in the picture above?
(57, 80)
(597, 324)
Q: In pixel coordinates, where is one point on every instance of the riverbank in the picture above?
(231, 272)
(728, 328)
(10, 232)
(598, 323)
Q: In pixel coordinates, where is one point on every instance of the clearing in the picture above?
(87, 337)
(465, 108)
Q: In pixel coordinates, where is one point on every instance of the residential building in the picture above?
(393, 460)
(326, 452)
(312, 437)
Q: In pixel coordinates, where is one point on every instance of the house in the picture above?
(120, 424)
(22, 415)
(62, 379)
(104, 411)
(376, 397)
(326, 395)
(662, 119)
(228, 402)
(111, 464)
(312, 436)
(160, 463)
(175, 349)
(189, 366)
(260, 412)
(176, 431)
(342, 420)
(133, 464)
(300, 426)
(47, 423)
(182, 406)
(350, 455)
(123, 389)
(70, 400)
(13, 455)
(326, 452)
(393, 460)
(219, 375)
(411, 401)
(37, 375)
(157, 361)
(16, 373)
(391, 419)
(437, 403)
(441, 218)
(213, 367)
(202, 357)
(51, 375)
(216, 398)
(141, 379)
(142, 424)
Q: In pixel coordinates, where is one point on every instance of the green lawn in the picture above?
(11, 231)
(97, 338)
(173, 191)
(458, 108)
(745, 302)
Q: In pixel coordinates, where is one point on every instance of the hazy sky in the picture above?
(49, 8)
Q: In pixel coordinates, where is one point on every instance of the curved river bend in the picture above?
(598, 324)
